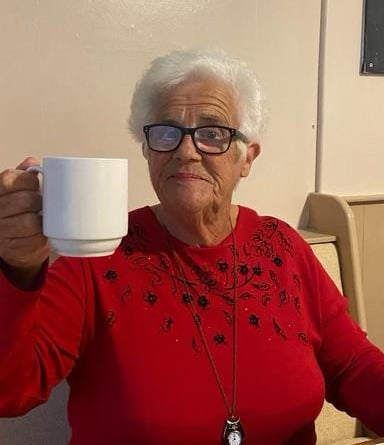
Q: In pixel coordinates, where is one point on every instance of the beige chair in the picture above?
(338, 253)
(333, 426)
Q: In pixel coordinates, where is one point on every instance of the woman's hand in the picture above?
(23, 247)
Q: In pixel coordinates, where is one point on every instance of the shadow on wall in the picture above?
(45, 425)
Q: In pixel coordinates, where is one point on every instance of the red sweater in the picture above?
(119, 328)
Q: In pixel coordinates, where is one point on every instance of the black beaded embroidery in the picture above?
(219, 339)
(254, 320)
(111, 275)
(203, 301)
(257, 290)
(187, 298)
(151, 298)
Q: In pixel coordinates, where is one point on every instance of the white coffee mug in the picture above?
(85, 204)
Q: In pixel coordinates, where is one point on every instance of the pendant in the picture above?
(233, 433)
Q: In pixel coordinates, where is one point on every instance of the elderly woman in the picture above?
(210, 324)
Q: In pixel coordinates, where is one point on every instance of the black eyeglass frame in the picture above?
(234, 133)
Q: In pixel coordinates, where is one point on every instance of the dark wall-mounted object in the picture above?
(372, 54)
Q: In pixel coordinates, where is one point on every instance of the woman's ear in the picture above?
(253, 151)
(144, 150)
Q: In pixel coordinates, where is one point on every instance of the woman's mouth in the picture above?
(186, 176)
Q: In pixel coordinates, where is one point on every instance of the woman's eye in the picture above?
(210, 133)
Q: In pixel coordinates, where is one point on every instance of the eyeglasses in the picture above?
(209, 139)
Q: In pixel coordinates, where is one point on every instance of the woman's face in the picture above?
(185, 179)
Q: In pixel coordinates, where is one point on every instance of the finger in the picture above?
(17, 203)
(26, 252)
(13, 180)
(20, 226)
(28, 162)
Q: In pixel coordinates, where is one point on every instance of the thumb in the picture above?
(28, 162)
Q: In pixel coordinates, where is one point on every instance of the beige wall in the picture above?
(351, 118)
(68, 69)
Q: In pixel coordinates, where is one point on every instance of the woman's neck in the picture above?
(198, 229)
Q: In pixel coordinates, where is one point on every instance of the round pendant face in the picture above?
(234, 438)
(233, 433)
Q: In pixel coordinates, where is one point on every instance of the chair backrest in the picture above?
(339, 253)
(333, 425)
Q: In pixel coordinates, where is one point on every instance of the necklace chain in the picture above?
(231, 408)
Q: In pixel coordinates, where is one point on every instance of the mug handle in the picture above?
(35, 168)
(38, 169)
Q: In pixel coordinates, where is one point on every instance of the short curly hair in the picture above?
(178, 66)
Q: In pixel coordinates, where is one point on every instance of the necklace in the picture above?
(233, 432)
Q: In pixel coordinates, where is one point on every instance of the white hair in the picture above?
(178, 66)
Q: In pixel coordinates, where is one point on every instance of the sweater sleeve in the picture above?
(40, 335)
(353, 367)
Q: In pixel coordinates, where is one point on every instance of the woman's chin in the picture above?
(186, 204)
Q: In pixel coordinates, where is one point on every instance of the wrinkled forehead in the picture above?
(199, 100)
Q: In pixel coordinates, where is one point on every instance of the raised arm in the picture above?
(41, 320)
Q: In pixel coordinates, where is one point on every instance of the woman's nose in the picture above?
(187, 149)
